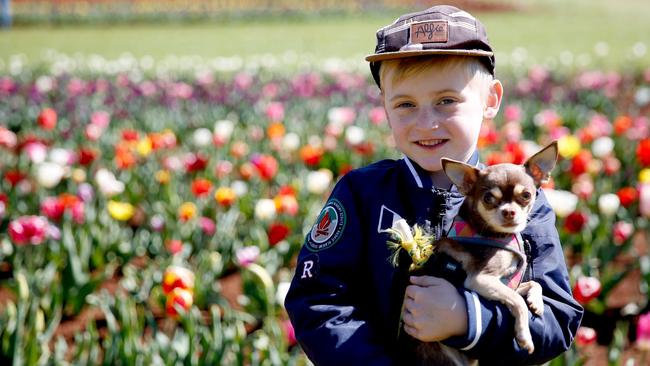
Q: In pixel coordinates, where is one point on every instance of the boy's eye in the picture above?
(446, 101)
(405, 105)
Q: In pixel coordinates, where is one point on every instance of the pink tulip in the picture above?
(275, 112)
(377, 115)
(28, 230)
(644, 199)
(289, 332)
(100, 119)
(621, 231)
(207, 226)
(513, 113)
(643, 332)
(247, 255)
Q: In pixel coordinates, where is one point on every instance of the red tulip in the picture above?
(627, 195)
(585, 336)
(586, 289)
(575, 221)
(267, 166)
(47, 119)
(311, 155)
(177, 277)
(277, 233)
(14, 177)
(201, 187)
(195, 162)
(178, 298)
(52, 208)
(622, 124)
(86, 156)
(580, 162)
(130, 135)
(643, 152)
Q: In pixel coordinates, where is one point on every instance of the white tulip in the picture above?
(239, 187)
(602, 146)
(265, 209)
(319, 181)
(608, 204)
(404, 230)
(48, 174)
(60, 156)
(107, 183)
(202, 137)
(281, 293)
(291, 142)
(354, 135)
(223, 129)
(562, 202)
(44, 84)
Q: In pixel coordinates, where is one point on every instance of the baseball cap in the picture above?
(439, 30)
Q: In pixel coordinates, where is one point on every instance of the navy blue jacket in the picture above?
(345, 298)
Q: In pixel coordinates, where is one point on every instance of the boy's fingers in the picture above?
(426, 280)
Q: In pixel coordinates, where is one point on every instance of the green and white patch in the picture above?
(328, 227)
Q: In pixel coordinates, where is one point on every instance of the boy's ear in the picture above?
(463, 176)
(493, 100)
(539, 166)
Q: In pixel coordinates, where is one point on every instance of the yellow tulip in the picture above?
(644, 175)
(568, 146)
(162, 176)
(187, 211)
(144, 146)
(121, 211)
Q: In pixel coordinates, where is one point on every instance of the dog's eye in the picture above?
(525, 195)
(489, 198)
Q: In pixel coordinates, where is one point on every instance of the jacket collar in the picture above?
(422, 179)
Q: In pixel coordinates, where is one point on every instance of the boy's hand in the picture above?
(433, 310)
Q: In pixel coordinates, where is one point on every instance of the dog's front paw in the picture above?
(525, 341)
(535, 303)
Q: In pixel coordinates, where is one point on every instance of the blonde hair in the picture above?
(409, 66)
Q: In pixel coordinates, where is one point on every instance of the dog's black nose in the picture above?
(508, 213)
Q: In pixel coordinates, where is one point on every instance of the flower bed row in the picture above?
(132, 206)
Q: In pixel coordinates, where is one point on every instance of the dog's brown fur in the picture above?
(498, 201)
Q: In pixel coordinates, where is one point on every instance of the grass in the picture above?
(544, 28)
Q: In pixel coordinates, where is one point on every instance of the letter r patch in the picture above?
(308, 268)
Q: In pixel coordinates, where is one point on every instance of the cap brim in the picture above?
(414, 53)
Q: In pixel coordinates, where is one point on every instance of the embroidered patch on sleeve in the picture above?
(328, 228)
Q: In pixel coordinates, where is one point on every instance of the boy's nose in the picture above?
(428, 119)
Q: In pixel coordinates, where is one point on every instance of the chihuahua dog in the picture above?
(486, 243)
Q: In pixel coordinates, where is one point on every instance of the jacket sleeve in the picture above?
(490, 335)
(325, 298)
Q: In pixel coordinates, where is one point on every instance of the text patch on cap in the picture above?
(433, 31)
(328, 227)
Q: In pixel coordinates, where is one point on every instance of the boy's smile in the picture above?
(437, 112)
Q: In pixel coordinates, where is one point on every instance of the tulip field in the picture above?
(153, 215)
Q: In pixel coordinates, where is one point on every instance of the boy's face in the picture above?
(436, 114)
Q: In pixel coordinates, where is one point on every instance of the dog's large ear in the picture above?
(464, 176)
(539, 166)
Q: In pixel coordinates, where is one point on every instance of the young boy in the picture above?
(435, 70)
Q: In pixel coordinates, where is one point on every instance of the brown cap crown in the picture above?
(439, 30)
